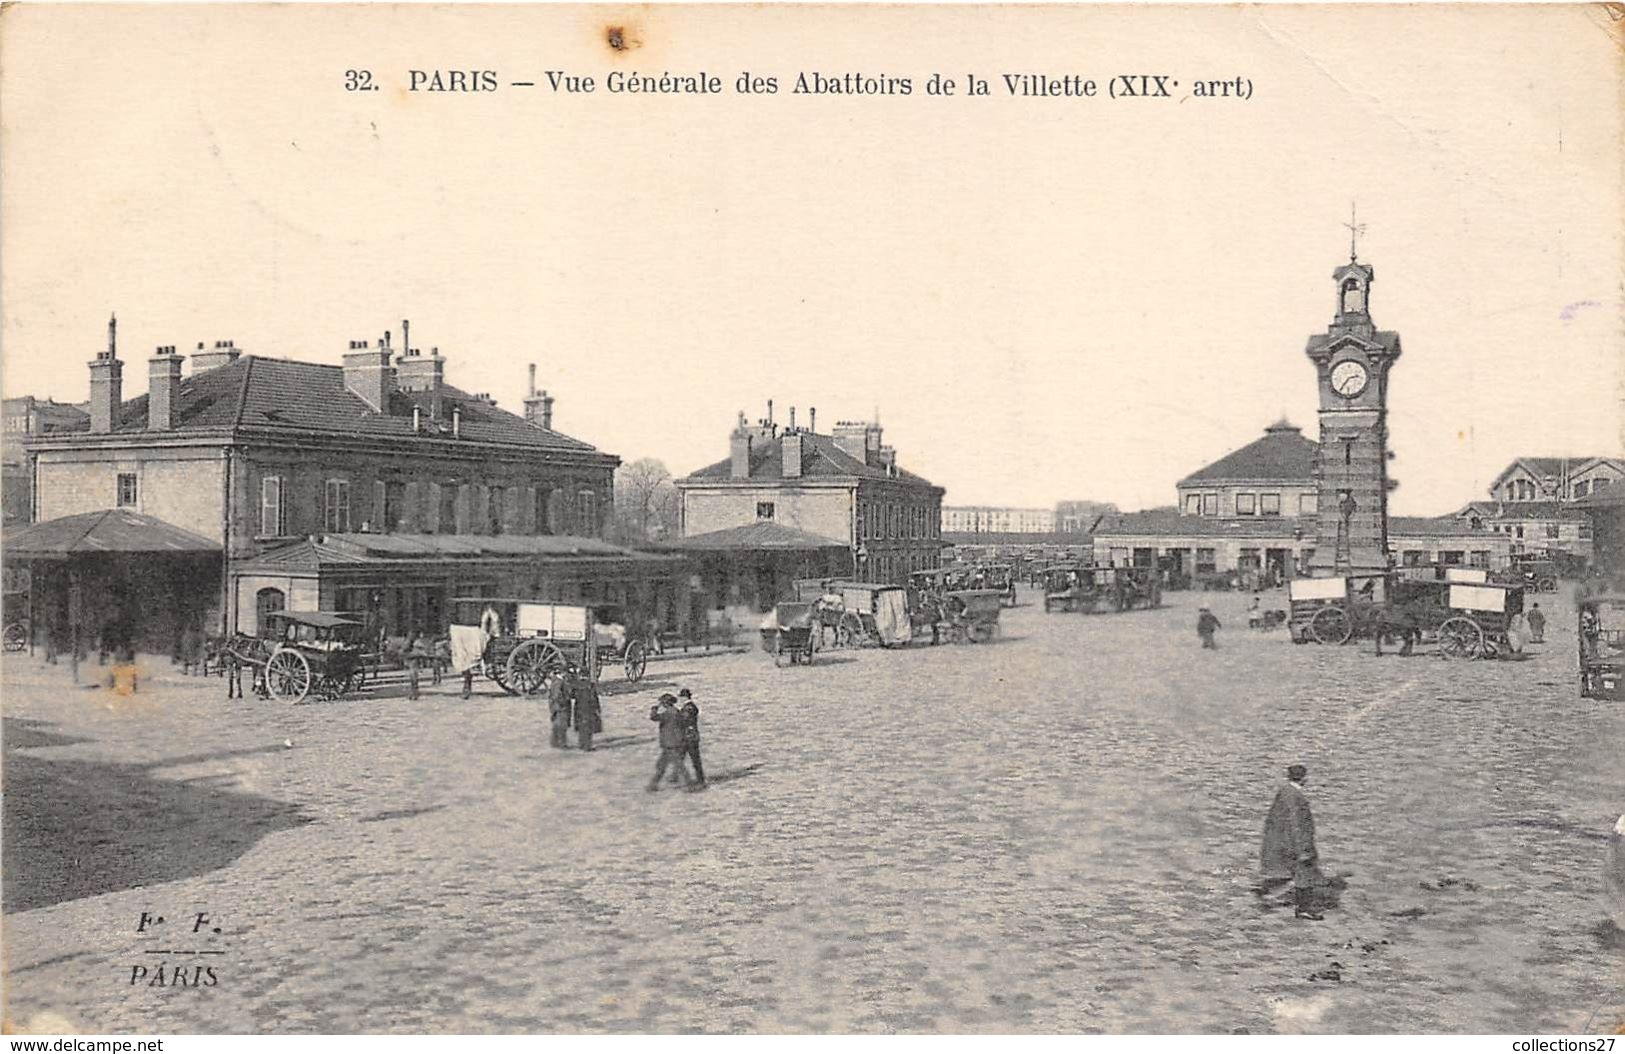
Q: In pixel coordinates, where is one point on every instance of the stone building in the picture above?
(996, 519)
(281, 463)
(1533, 502)
(844, 487)
(1270, 477)
(23, 417)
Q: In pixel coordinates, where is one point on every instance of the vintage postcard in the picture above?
(813, 519)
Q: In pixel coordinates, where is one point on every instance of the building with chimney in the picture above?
(792, 499)
(372, 487)
(23, 417)
(1534, 503)
(1250, 519)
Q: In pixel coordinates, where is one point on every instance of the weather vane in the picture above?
(1355, 230)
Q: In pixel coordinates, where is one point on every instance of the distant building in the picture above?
(1270, 477)
(845, 488)
(1078, 517)
(24, 417)
(995, 519)
(1533, 502)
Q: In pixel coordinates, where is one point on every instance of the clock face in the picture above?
(1349, 378)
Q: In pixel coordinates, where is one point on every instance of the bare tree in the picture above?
(646, 502)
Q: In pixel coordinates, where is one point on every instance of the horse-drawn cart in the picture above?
(304, 653)
(1468, 619)
(973, 614)
(526, 641)
(1602, 647)
(789, 633)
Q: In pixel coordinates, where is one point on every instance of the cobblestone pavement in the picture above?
(1057, 831)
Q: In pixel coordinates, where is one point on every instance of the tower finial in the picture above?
(1355, 229)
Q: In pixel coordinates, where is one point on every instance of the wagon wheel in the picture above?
(849, 632)
(981, 632)
(1331, 625)
(529, 666)
(1460, 638)
(498, 673)
(332, 686)
(16, 637)
(637, 657)
(287, 676)
(1546, 584)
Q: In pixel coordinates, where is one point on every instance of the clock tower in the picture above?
(1352, 359)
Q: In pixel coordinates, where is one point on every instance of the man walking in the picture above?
(588, 713)
(559, 702)
(1288, 853)
(691, 734)
(672, 745)
(1207, 624)
(1537, 625)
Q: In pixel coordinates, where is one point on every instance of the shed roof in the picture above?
(763, 534)
(1282, 455)
(104, 531)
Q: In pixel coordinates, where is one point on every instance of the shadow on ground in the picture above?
(75, 828)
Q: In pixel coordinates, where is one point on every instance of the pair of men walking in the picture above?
(679, 719)
(572, 699)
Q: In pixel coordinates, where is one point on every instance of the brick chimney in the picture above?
(224, 352)
(538, 405)
(417, 372)
(163, 389)
(106, 383)
(852, 438)
(790, 449)
(739, 444)
(367, 373)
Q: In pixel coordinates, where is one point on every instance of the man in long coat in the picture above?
(588, 711)
(558, 708)
(673, 740)
(691, 733)
(1288, 853)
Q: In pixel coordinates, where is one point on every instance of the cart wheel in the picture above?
(1460, 638)
(497, 672)
(1546, 585)
(980, 633)
(287, 676)
(637, 657)
(529, 665)
(1331, 625)
(16, 637)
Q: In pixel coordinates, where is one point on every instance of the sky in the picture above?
(1042, 299)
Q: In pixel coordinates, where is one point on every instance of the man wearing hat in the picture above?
(1206, 625)
(1288, 853)
(672, 740)
(691, 733)
(558, 707)
(588, 711)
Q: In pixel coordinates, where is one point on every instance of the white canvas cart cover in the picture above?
(1466, 574)
(1318, 589)
(1478, 598)
(557, 621)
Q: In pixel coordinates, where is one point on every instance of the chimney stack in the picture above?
(163, 389)
(368, 375)
(416, 372)
(792, 419)
(852, 438)
(790, 451)
(456, 422)
(739, 450)
(224, 351)
(812, 419)
(106, 383)
(538, 405)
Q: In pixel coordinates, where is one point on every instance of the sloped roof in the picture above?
(1282, 455)
(1387, 339)
(287, 395)
(105, 531)
(1550, 467)
(820, 459)
(763, 534)
(1522, 510)
(1176, 524)
(358, 548)
(1449, 526)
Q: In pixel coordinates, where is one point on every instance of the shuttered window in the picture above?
(273, 510)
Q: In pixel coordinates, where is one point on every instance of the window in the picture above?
(1248, 560)
(394, 510)
(543, 511)
(448, 508)
(1193, 504)
(1119, 557)
(336, 507)
(273, 510)
(1519, 530)
(494, 498)
(1308, 504)
(1480, 558)
(1452, 557)
(587, 510)
(764, 510)
(1552, 530)
(1581, 489)
(1207, 560)
(266, 603)
(1246, 504)
(1269, 504)
(1413, 557)
(1585, 530)
(126, 490)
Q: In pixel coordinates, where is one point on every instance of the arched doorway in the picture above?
(267, 602)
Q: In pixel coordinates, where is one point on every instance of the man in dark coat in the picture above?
(559, 704)
(1288, 853)
(1207, 625)
(1537, 625)
(673, 743)
(691, 733)
(589, 719)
